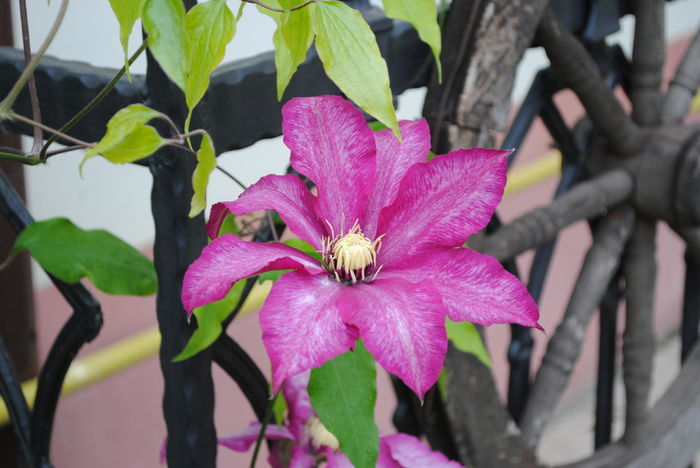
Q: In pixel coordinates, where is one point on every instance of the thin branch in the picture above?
(94, 102)
(639, 267)
(28, 121)
(232, 177)
(599, 266)
(647, 61)
(268, 7)
(584, 201)
(36, 111)
(9, 100)
(578, 71)
(684, 84)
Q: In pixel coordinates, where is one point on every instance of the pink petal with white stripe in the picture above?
(289, 197)
(393, 161)
(410, 452)
(474, 287)
(228, 259)
(402, 325)
(301, 324)
(442, 202)
(298, 404)
(241, 441)
(334, 147)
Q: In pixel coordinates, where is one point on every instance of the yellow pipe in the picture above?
(140, 346)
(98, 365)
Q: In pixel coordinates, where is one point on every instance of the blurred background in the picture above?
(117, 421)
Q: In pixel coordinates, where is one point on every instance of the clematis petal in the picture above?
(333, 146)
(393, 161)
(337, 459)
(285, 194)
(442, 202)
(301, 324)
(241, 441)
(410, 452)
(298, 404)
(228, 259)
(403, 325)
(301, 457)
(474, 287)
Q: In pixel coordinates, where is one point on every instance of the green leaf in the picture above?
(209, 318)
(272, 275)
(164, 21)
(128, 138)
(209, 27)
(138, 144)
(206, 163)
(70, 253)
(279, 408)
(422, 14)
(304, 247)
(348, 49)
(465, 337)
(291, 39)
(343, 392)
(229, 225)
(127, 12)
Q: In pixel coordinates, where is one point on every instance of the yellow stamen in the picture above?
(321, 436)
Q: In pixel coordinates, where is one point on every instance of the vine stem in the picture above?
(43, 155)
(279, 10)
(33, 95)
(261, 434)
(232, 177)
(6, 103)
(28, 121)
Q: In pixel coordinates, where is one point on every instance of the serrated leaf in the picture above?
(209, 318)
(127, 12)
(70, 254)
(343, 393)
(465, 337)
(422, 14)
(209, 27)
(348, 49)
(164, 21)
(206, 163)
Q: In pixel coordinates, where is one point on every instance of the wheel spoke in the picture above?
(684, 85)
(586, 200)
(599, 266)
(639, 268)
(647, 61)
(578, 71)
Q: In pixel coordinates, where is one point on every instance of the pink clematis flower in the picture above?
(390, 229)
(311, 444)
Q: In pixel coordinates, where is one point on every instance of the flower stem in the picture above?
(33, 95)
(268, 7)
(263, 428)
(9, 100)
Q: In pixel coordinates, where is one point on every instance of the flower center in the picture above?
(320, 436)
(352, 257)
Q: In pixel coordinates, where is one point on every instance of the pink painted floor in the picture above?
(117, 423)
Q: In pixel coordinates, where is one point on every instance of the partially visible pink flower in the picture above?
(390, 229)
(312, 443)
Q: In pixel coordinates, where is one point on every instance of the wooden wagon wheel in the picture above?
(641, 168)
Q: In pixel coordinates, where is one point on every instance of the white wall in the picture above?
(117, 198)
